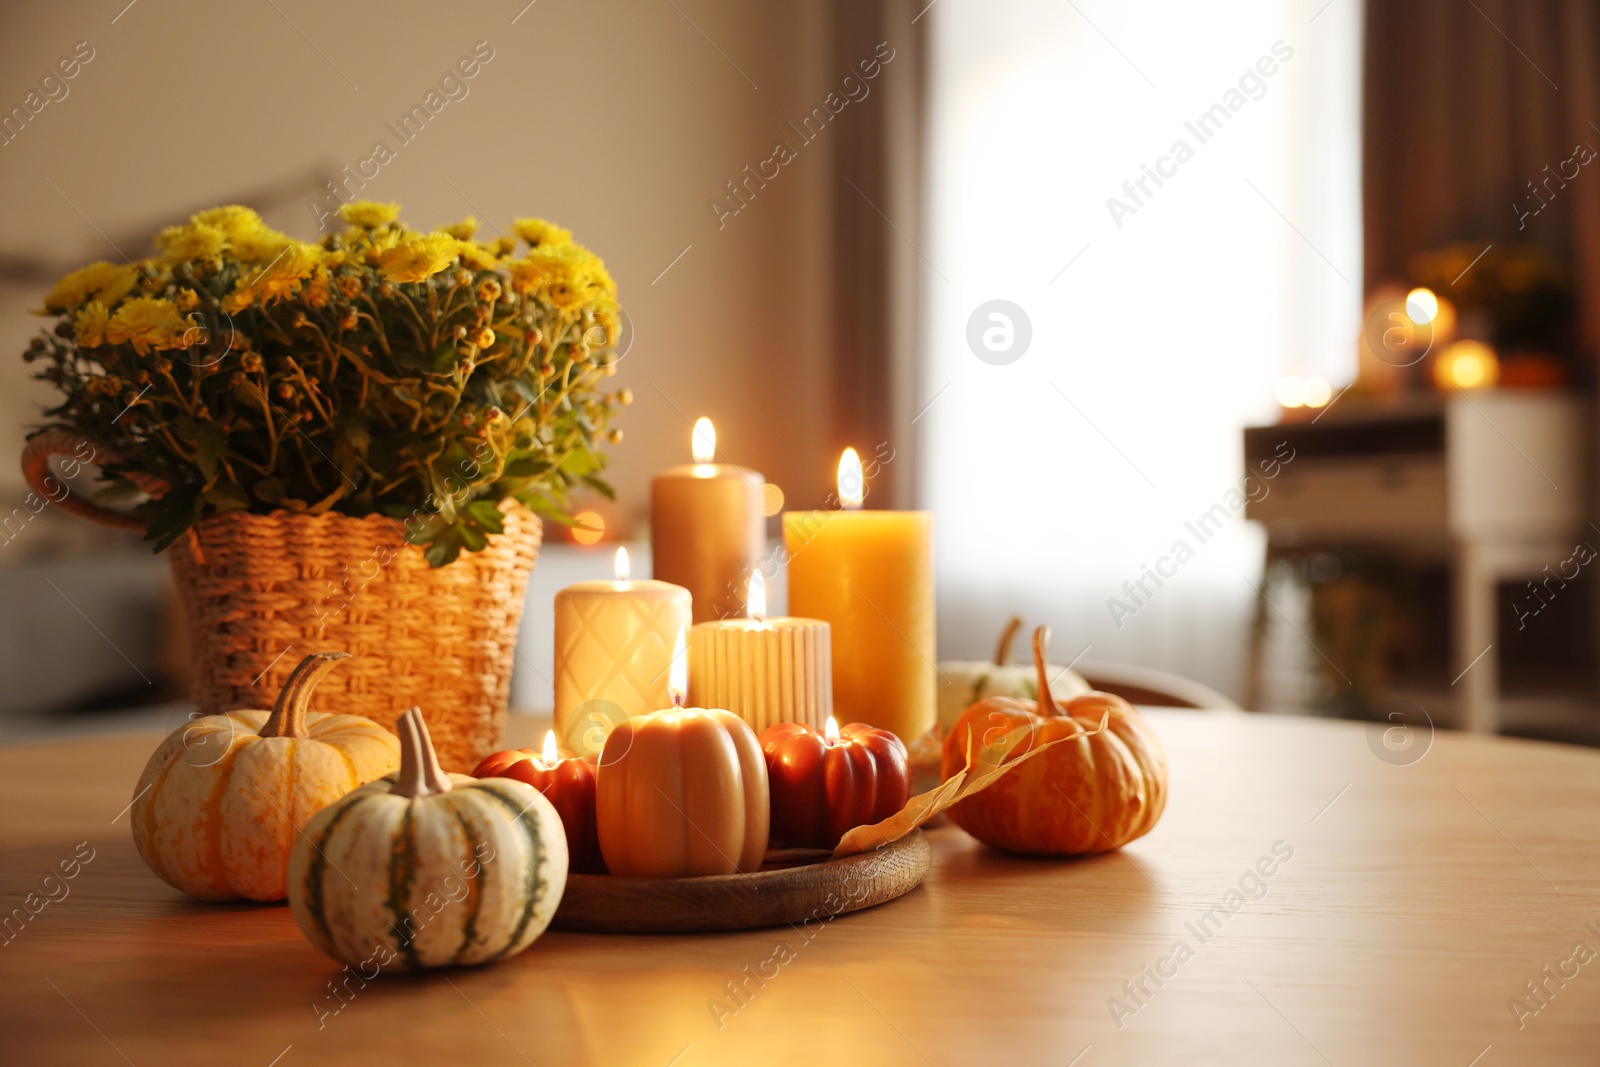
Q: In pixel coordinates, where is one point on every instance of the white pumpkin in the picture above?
(962, 683)
(425, 869)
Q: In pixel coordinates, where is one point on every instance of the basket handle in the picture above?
(36, 471)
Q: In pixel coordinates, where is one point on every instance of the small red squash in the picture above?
(566, 783)
(824, 785)
(1092, 794)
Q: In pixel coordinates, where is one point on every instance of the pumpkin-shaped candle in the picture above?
(568, 783)
(682, 792)
(824, 785)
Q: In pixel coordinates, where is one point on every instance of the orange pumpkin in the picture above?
(223, 798)
(1092, 794)
(682, 793)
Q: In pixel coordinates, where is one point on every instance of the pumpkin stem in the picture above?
(420, 775)
(1002, 651)
(288, 718)
(1041, 663)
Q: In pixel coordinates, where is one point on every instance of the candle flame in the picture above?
(678, 673)
(831, 730)
(550, 753)
(704, 440)
(852, 482)
(620, 566)
(755, 598)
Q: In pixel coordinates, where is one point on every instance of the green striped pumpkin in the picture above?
(424, 869)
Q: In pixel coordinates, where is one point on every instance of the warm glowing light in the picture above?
(1422, 306)
(771, 499)
(1466, 365)
(1291, 391)
(755, 597)
(831, 730)
(1317, 392)
(588, 527)
(678, 673)
(852, 480)
(551, 756)
(704, 441)
(620, 566)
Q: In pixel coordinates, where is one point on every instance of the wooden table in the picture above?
(1418, 899)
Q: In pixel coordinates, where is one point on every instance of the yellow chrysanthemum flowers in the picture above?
(89, 325)
(369, 214)
(541, 234)
(566, 275)
(102, 281)
(197, 240)
(232, 220)
(417, 260)
(463, 230)
(147, 323)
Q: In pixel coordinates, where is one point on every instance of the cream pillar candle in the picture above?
(613, 648)
(869, 574)
(763, 670)
(706, 529)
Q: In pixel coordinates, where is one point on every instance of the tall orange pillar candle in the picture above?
(707, 532)
(614, 647)
(869, 575)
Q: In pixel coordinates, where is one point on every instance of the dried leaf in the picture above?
(919, 809)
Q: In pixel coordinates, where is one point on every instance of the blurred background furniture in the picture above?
(1491, 483)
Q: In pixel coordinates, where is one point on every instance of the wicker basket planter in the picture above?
(262, 591)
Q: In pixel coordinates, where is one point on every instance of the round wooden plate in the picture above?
(604, 904)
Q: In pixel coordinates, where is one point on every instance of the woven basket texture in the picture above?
(263, 591)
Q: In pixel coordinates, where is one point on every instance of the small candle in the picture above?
(706, 528)
(568, 783)
(613, 644)
(765, 671)
(824, 785)
(869, 575)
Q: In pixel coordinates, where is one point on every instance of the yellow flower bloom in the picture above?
(463, 230)
(540, 233)
(417, 260)
(476, 257)
(369, 214)
(198, 240)
(319, 290)
(566, 275)
(102, 281)
(258, 245)
(232, 220)
(147, 323)
(89, 325)
(187, 299)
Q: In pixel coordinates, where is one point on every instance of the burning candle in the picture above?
(869, 575)
(765, 671)
(706, 527)
(824, 785)
(613, 646)
(682, 792)
(568, 783)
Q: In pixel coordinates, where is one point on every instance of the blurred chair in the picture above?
(1153, 688)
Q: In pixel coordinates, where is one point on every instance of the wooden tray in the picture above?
(604, 904)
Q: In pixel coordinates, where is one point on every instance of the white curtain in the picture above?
(1162, 311)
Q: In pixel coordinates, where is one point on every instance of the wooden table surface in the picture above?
(1418, 899)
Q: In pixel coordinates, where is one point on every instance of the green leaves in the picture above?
(432, 401)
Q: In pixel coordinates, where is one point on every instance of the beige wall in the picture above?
(617, 118)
